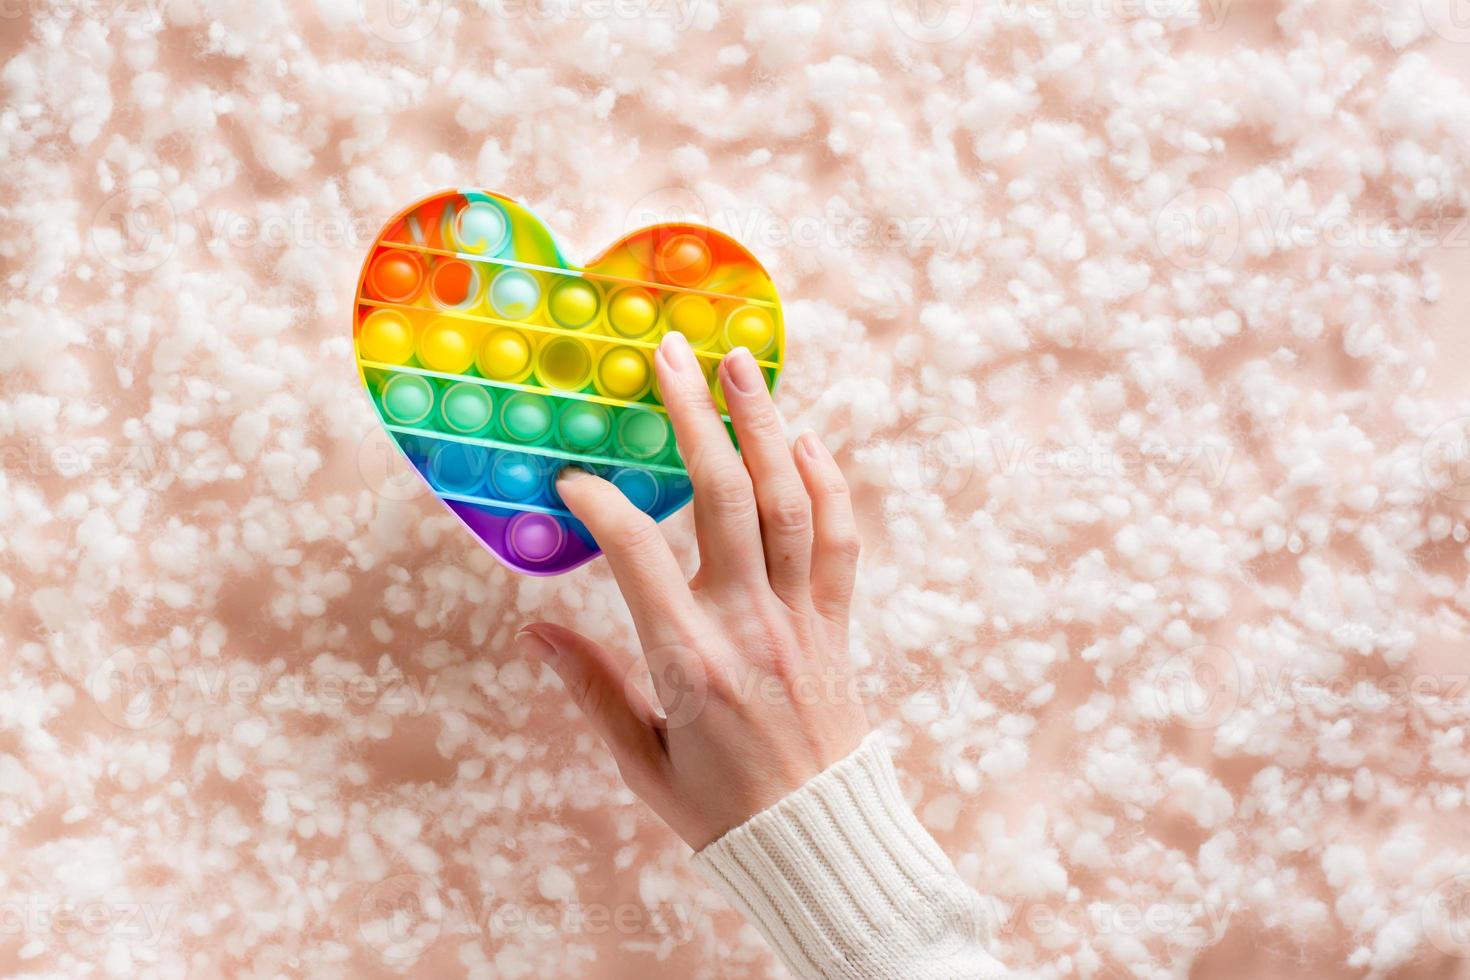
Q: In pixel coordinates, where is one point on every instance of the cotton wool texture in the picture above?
(1139, 331)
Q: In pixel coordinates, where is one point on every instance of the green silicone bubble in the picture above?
(584, 426)
(408, 399)
(642, 434)
(466, 407)
(526, 417)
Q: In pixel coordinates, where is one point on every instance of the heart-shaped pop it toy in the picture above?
(493, 362)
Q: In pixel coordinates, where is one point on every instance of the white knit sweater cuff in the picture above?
(844, 882)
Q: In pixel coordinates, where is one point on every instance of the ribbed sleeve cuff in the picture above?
(844, 881)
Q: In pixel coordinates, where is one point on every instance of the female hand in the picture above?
(746, 658)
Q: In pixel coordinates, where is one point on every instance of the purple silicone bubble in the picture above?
(535, 538)
(525, 540)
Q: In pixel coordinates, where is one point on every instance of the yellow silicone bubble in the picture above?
(564, 363)
(752, 328)
(448, 345)
(574, 303)
(386, 337)
(694, 317)
(624, 372)
(505, 355)
(632, 312)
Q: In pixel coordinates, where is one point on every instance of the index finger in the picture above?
(648, 575)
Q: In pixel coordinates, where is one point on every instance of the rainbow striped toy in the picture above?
(493, 362)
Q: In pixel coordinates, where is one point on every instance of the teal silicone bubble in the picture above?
(466, 407)
(643, 434)
(526, 417)
(407, 399)
(583, 427)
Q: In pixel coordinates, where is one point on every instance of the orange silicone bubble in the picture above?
(451, 282)
(683, 260)
(395, 276)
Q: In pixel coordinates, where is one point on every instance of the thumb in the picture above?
(594, 678)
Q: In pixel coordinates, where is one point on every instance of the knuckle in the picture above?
(691, 390)
(846, 544)
(728, 489)
(763, 424)
(834, 488)
(636, 534)
(789, 513)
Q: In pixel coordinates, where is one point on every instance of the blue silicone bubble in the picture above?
(456, 468)
(640, 487)
(517, 476)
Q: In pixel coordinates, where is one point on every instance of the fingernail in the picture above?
(809, 445)
(743, 372)
(528, 644)
(569, 473)
(677, 352)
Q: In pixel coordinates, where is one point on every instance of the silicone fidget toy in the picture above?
(493, 362)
